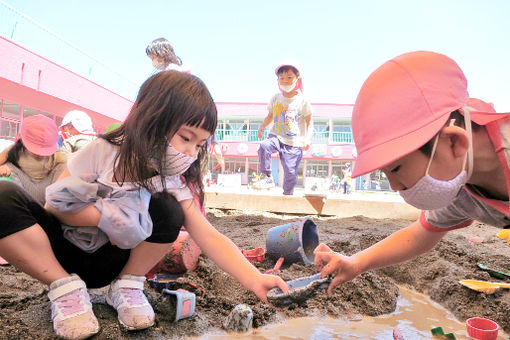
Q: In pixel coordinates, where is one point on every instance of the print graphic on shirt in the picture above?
(285, 120)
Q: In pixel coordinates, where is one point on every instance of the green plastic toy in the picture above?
(6, 178)
(438, 333)
(502, 274)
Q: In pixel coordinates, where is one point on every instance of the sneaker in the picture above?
(71, 310)
(265, 182)
(126, 296)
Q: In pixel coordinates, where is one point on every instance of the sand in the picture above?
(25, 312)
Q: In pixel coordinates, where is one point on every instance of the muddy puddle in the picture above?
(414, 316)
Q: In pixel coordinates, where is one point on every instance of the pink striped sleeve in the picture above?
(434, 229)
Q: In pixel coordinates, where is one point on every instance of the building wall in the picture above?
(32, 84)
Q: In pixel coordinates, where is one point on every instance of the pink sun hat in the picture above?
(403, 104)
(39, 135)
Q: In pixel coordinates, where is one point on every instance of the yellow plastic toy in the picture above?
(484, 286)
(504, 234)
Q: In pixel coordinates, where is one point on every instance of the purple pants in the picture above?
(290, 156)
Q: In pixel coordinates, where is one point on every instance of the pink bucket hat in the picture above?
(39, 135)
(295, 64)
(403, 104)
(80, 120)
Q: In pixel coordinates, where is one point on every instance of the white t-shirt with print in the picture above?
(289, 119)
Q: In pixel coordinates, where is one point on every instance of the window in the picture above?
(337, 168)
(342, 128)
(317, 168)
(11, 110)
(8, 129)
(320, 132)
(27, 112)
(235, 165)
(253, 131)
(236, 130)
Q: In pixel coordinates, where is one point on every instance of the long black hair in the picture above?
(166, 101)
(15, 151)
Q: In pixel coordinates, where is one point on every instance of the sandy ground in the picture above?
(25, 312)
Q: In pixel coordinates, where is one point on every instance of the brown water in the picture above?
(415, 315)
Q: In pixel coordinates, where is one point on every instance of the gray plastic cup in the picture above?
(294, 241)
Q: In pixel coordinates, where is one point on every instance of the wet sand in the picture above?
(25, 313)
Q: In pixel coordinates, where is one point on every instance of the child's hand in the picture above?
(264, 283)
(261, 132)
(5, 171)
(306, 147)
(343, 268)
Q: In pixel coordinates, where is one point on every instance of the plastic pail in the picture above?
(182, 257)
(294, 241)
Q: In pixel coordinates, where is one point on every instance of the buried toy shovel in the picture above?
(484, 286)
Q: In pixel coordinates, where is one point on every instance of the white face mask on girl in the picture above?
(288, 88)
(158, 65)
(430, 193)
(176, 163)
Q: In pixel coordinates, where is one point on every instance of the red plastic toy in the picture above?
(256, 254)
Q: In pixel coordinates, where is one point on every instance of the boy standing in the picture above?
(292, 129)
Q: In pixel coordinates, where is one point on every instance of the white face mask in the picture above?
(175, 162)
(430, 193)
(288, 88)
(158, 65)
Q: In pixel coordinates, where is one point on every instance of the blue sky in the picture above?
(234, 45)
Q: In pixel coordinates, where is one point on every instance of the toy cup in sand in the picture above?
(256, 254)
(294, 241)
(182, 257)
(483, 329)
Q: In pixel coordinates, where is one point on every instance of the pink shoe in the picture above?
(126, 296)
(71, 310)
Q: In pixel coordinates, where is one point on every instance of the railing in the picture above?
(342, 138)
(28, 33)
(227, 135)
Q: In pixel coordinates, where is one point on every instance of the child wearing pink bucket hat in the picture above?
(445, 153)
(33, 161)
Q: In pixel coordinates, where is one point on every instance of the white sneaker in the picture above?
(71, 310)
(265, 182)
(126, 296)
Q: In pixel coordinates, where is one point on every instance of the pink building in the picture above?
(32, 84)
(332, 144)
